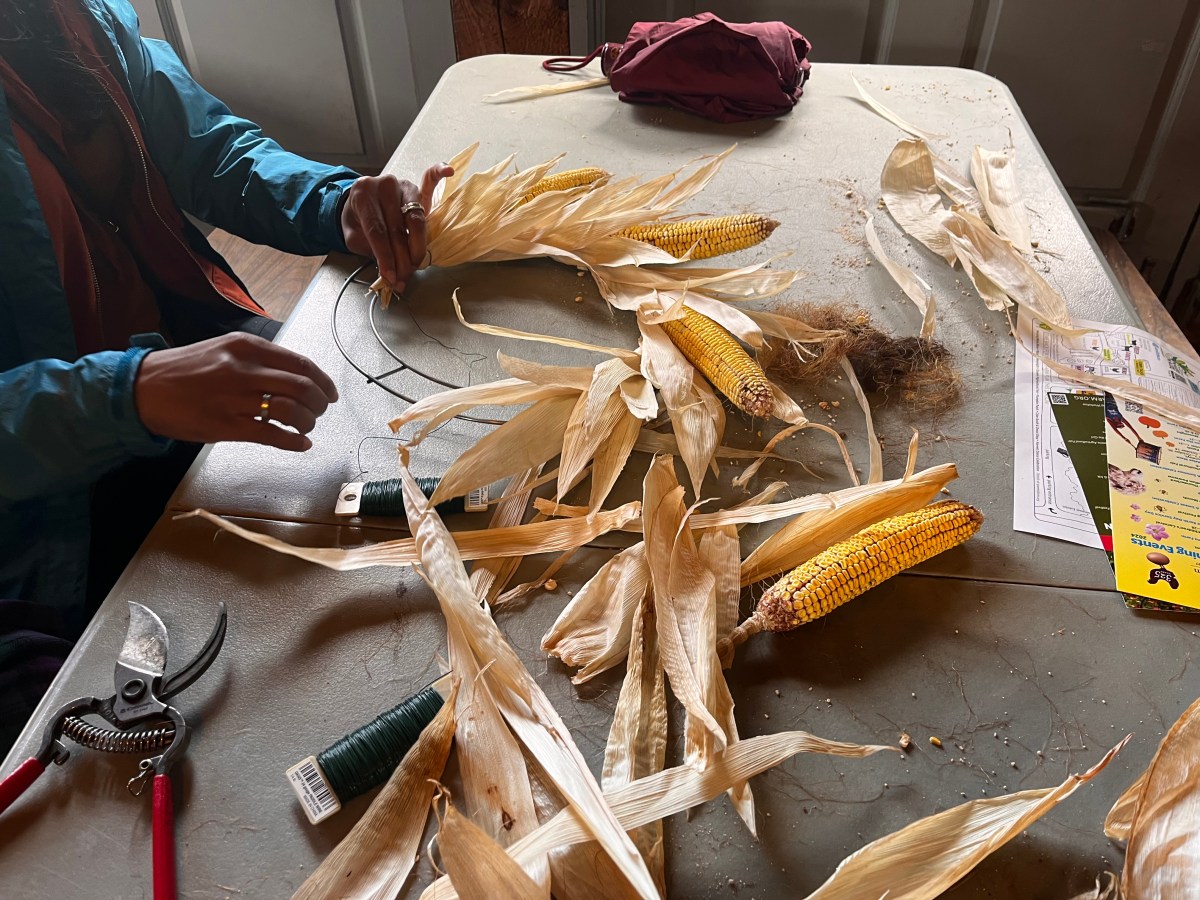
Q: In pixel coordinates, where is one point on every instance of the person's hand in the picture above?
(213, 391)
(376, 223)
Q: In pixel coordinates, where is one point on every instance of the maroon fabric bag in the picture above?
(723, 71)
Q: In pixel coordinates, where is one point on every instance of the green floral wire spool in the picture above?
(366, 757)
(386, 498)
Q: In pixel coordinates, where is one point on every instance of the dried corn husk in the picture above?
(875, 469)
(684, 606)
(673, 790)
(913, 285)
(593, 631)
(477, 866)
(894, 118)
(956, 188)
(440, 408)
(375, 858)
(490, 543)
(517, 695)
(1163, 854)
(637, 739)
(998, 192)
(922, 860)
(531, 438)
(1119, 820)
(993, 257)
(912, 196)
(490, 576)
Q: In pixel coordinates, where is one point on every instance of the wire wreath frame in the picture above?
(402, 365)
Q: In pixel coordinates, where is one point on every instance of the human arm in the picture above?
(63, 425)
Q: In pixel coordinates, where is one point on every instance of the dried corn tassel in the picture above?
(705, 238)
(562, 181)
(721, 359)
(854, 566)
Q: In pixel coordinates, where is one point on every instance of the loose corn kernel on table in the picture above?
(1012, 650)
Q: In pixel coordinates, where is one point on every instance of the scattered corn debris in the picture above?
(936, 741)
(551, 584)
(905, 741)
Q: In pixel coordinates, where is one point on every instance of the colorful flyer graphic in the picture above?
(1080, 419)
(1154, 495)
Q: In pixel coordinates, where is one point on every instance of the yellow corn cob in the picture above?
(704, 237)
(857, 564)
(563, 180)
(721, 359)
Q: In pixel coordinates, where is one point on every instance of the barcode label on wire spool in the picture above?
(313, 790)
(477, 500)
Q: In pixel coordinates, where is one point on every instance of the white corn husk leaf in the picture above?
(578, 378)
(477, 866)
(520, 700)
(684, 605)
(533, 91)
(956, 187)
(442, 407)
(490, 576)
(581, 439)
(1162, 858)
(995, 178)
(593, 630)
(1103, 891)
(891, 116)
(611, 456)
(923, 859)
(671, 791)
(914, 286)
(629, 356)
(637, 739)
(531, 438)
(789, 327)
(1119, 820)
(995, 258)
(664, 442)
(489, 543)
(875, 470)
(494, 774)
(913, 198)
(375, 858)
(721, 552)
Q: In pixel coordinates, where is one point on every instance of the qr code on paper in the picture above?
(1131, 407)
(1058, 399)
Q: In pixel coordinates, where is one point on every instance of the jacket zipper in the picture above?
(150, 194)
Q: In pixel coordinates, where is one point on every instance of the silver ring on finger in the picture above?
(264, 409)
(411, 206)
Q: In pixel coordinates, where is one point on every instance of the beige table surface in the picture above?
(1000, 665)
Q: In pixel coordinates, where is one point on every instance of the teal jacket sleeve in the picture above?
(221, 168)
(63, 425)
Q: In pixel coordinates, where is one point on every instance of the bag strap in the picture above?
(572, 63)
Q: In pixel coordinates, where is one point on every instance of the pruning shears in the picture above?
(143, 722)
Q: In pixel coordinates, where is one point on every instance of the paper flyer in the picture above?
(1154, 492)
(1080, 420)
(1047, 498)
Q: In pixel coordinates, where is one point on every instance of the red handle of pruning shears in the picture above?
(15, 784)
(164, 839)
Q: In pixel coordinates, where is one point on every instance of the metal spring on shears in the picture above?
(109, 741)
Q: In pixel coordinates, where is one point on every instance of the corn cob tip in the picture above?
(853, 566)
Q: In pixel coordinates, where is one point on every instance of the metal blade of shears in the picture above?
(145, 647)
